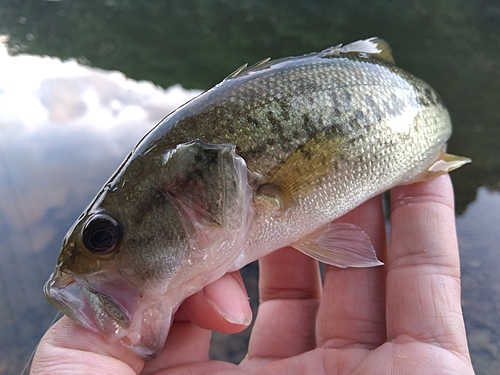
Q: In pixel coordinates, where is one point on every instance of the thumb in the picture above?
(68, 348)
(221, 306)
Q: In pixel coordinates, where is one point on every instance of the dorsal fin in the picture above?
(373, 47)
(258, 64)
(237, 72)
(244, 69)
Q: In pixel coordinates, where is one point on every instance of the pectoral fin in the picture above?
(340, 244)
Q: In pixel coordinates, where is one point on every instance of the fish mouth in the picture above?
(106, 303)
(101, 301)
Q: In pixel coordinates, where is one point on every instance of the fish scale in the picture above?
(268, 158)
(212, 120)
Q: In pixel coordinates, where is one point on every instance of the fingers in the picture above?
(68, 348)
(221, 306)
(186, 343)
(290, 287)
(352, 310)
(423, 285)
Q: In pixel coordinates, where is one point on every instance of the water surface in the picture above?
(66, 125)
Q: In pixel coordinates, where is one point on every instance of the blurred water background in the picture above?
(82, 80)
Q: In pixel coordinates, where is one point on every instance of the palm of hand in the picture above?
(403, 318)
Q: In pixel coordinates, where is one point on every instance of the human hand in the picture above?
(402, 318)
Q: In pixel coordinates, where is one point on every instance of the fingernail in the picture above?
(229, 297)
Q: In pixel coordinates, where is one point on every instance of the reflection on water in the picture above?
(452, 44)
(64, 127)
(480, 263)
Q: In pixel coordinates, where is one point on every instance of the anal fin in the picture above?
(448, 163)
(341, 245)
(445, 163)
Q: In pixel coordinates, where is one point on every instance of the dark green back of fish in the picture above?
(272, 110)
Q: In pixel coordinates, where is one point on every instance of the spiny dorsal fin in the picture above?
(372, 47)
(258, 64)
(237, 72)
(244, 69)
(331, 51)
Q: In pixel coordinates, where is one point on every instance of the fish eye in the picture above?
(101, 234)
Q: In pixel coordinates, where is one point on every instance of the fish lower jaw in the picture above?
(134, 334)
(149, 326)
(133, 337)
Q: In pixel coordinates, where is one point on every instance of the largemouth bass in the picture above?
(267, 158)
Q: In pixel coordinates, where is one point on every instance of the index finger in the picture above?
(423, 279)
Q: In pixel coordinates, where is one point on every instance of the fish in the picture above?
(267, 158)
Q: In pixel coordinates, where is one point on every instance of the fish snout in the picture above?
(102, 302)
(106, 303)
